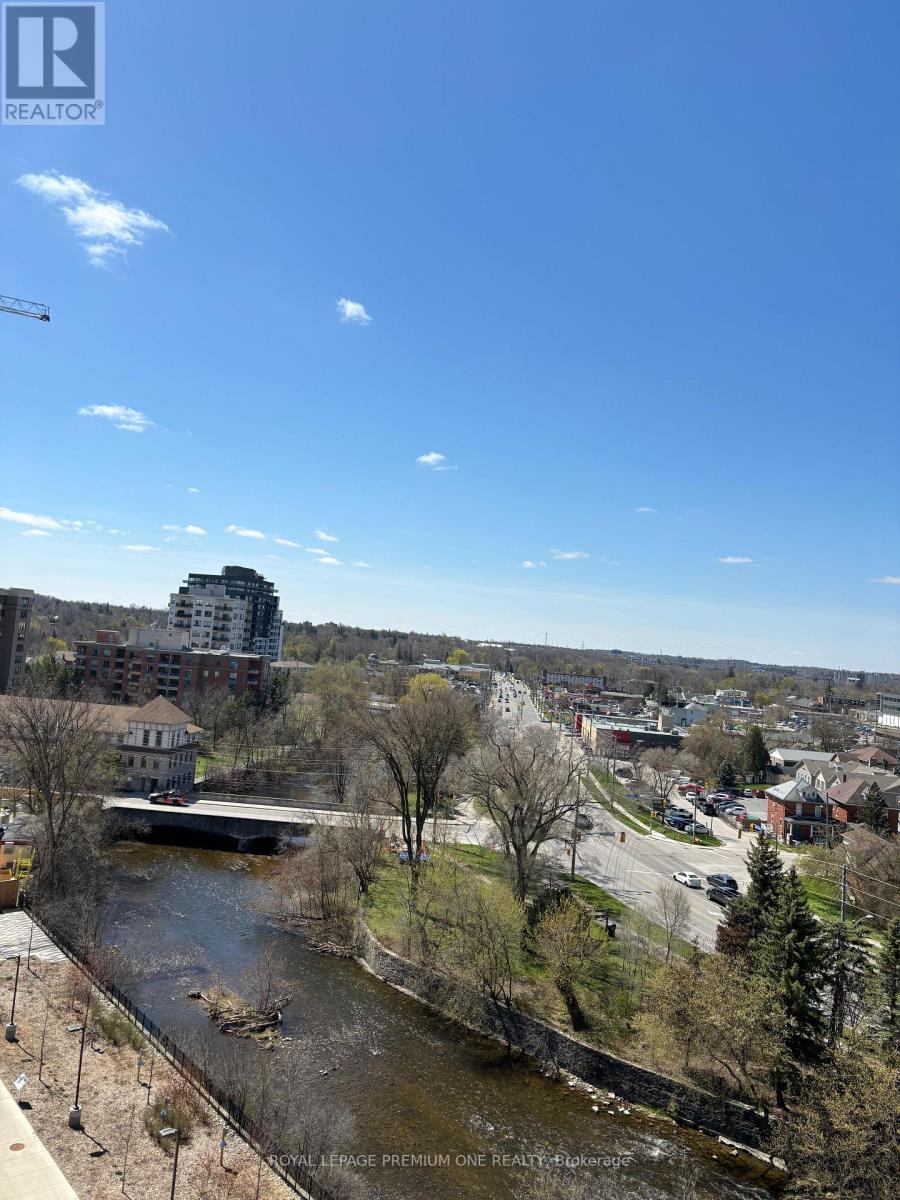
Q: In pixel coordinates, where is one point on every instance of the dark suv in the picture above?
(723, 881)
(720, 895)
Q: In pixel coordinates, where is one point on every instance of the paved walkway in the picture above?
(27, 1172)
(16, 927)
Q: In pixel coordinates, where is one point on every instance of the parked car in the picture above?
(718, 895)
(688, 878)
(677, 822)
(709, 810)
(696, 827)
(721, 880)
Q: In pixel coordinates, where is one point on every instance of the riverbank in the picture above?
(114, 1153)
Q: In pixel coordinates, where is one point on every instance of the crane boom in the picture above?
(24, 308)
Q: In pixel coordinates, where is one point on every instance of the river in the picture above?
(400, 1079)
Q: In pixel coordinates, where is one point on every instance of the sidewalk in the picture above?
(27, 1172)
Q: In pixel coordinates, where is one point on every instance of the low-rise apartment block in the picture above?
(158, 662)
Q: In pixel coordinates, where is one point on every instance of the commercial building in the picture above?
(156, 743)
(236, 611)
(15, 611)
(159, 662)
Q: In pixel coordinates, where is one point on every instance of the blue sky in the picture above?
(629, 269)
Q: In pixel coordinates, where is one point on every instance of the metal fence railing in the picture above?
(286, 1166)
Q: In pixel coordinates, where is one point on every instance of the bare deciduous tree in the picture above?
(417, 741)
(568, 941)
(658, 768)
(527, 784)
(673, 909)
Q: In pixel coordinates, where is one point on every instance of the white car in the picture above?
(688, 878)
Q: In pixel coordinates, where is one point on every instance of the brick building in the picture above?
(157, 662)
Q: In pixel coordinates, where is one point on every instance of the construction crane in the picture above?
(24, 308)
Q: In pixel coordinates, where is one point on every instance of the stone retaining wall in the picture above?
(685, 1103)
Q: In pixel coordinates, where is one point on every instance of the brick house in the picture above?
(800, 811)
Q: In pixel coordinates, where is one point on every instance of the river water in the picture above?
(398, 1079)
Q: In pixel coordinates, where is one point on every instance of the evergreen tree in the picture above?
(734, 932)
(789, 955)
(889, 981)
(766, 883)
(874, 811)
(754, 754)
(726, 774)
(847, 975)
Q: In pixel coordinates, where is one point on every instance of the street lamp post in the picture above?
(11, 1025)
(170, 1131)
(75, 1110)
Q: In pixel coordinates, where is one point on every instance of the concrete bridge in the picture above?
(230, 823)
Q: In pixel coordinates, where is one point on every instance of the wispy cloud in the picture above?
(194, 490)
(106, 227)
(192, 530)
(330, 560)
(24, 518)
(531, 566)
(288, 542)
(122, 416)
(324, 536)
(360, 564)
(733, 560)
(240, 531)
(645, 509)
(353, 312)
(435, 461)
(895, 579)
(565, 554)
(140, 549)
(36, 533)
(315, 550)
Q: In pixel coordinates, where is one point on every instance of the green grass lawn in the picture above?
(823, 897)
(617, 791)
(610, 998)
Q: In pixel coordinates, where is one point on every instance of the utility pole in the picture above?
(843, 890)
(575, 828)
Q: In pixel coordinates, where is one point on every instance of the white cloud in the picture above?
(120, 414)
(735, 560)
(431, 459)
(358, 564)
(239, 531)
(36, 533)
(531, 566)
(561, 554)
(192, 530)
(105, 225)
(315, 550)
(288, 542)
(194, 490)
(120, 532)
(23, 518)
(324, 536)
(353, 311)
(139, 549)
(887, 579)
(645, 509)
(332, 562)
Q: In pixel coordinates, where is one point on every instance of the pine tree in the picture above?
(735, 931)
(848, 971)
(874, 812)
(754, 754)
(889, 981)
(726, 774)
(766, 883)
(789, 955)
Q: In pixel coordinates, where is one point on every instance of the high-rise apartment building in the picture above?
(15, 612)
(238, 610)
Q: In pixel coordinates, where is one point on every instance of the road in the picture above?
(632, 870)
